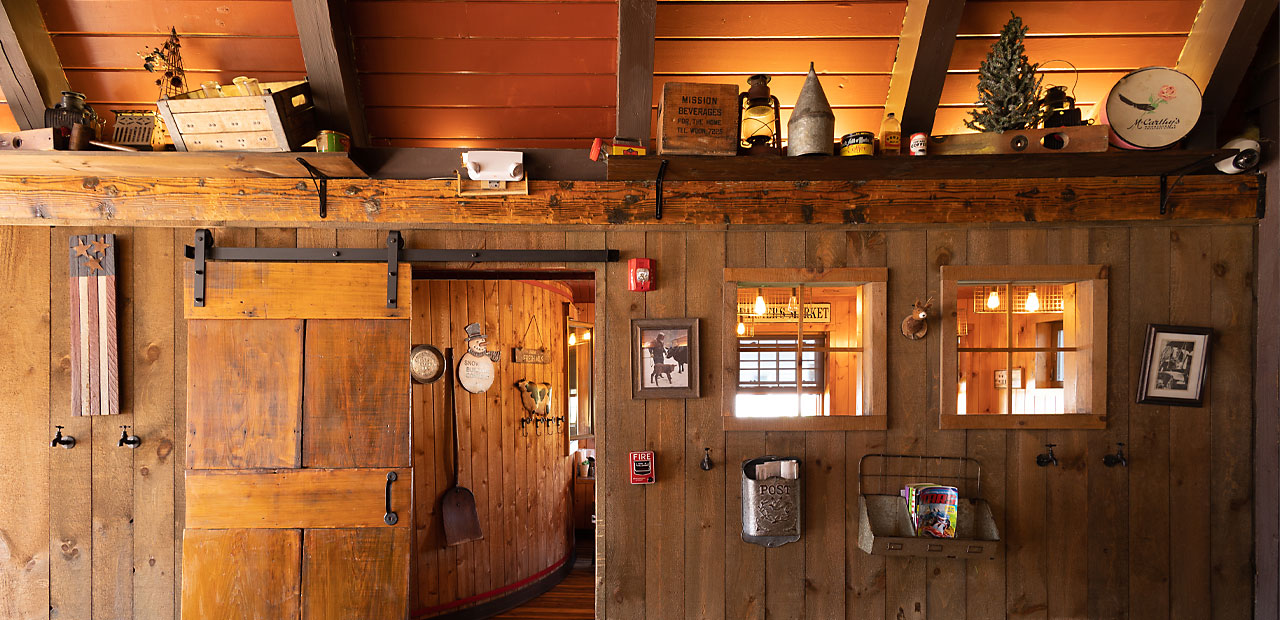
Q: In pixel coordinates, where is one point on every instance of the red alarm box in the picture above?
(642, 468)
(642, 274)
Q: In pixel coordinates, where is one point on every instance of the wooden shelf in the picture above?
(237, 164)
(1113, 163)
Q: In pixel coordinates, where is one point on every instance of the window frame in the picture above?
(1091, 385)
(874, 347)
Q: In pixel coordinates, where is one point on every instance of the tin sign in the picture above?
(642, 468)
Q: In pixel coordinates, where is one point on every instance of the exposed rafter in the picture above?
(32, 76)
(924, 52)
(1216, 55)
(636, 23)
(329, 54)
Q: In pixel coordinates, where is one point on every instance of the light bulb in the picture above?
(993, 300)
(742, 328)
(1033, 302)
(572, 339)
(586, 335)
(761, 307)
(793, 305)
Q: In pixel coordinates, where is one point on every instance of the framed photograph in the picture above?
(664, 358)
(1175, 364)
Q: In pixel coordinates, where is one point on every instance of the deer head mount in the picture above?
(916, 325)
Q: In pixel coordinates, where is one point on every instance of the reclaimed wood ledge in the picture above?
(408, 204)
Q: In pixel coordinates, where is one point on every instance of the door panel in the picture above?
(244, 394)
(241, 574)
(357, 372)
(355, 573)
(307, 498)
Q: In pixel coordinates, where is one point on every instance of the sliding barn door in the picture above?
(298, 407)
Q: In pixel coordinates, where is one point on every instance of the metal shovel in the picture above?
(461, 522)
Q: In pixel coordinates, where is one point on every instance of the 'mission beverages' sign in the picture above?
(778, 313)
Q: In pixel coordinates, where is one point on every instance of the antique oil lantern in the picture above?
(1058, 109)
(758, 114)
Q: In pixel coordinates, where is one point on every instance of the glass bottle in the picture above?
(890, 136)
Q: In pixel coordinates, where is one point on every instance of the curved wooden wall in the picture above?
(521, 484)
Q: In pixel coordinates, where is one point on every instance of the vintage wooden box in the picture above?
(698, 119)
(281, 119)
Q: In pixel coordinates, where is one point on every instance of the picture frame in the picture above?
(675, 343)
(1175, 365)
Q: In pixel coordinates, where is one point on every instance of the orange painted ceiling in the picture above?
(541, 73)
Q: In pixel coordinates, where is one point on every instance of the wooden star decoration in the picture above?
(99, 247)
(82, 250)
(93, 264)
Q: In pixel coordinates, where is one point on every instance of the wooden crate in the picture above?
(698, 119)
(281, 120)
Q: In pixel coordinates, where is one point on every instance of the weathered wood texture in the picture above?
(424, 204)
(723, 577)
(520, 479)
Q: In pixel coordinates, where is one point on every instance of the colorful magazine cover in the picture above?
(936, 512)
(911, 493)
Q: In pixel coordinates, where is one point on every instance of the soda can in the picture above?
(919, 144)
(332, 142)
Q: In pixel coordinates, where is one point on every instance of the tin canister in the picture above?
(857, 144)
(332, 142)
(919, 144)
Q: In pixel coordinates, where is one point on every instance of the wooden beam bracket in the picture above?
(657, 200)
(204, 242)
(394, 243)
(1166, 189)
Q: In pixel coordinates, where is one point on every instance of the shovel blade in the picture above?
(461, 522)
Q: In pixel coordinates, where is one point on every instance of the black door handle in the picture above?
(390, 518)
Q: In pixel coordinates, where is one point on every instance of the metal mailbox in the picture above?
(771, 500)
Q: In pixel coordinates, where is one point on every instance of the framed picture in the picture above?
(664, 358)
(1175, 364)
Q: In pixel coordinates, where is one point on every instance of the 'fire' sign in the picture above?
(642, 468)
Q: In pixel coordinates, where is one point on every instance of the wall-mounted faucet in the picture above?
(67, 442)
(1111, 460)
(1047, 459)
(133, 441)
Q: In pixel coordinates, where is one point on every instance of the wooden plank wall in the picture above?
(502, 74)
(521, 483)
(1168, 533)
(98, 43)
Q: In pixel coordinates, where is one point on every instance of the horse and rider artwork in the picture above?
(665, 358)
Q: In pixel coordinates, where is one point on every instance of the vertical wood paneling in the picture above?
(744, 562)
(621, 592)
(866, 573)
(985, 583)
(1066, 534)
(945, 585)
(1233, 304)
(70, 527)
(664, 426)
(1148, 433)
(1190, 276)
(906, 578)
(706, 522)
(428, 452)
(155, 272)
(113, 466)
(26, 277)
(438, 322)
(1108, 521)
(1024, 534)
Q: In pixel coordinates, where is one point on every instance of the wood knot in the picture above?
(351, 190)
(90, 183)
(1220, 269)
(164, 448)
(943, 257)
(144, 471)
(152, 353)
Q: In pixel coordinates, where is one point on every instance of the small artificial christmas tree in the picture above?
(1007, 84)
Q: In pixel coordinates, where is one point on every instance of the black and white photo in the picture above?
(664, 358)
(1175, 363)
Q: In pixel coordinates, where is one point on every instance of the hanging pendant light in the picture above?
(1033, 301)
(793, 305)
(761, 308)
(993, 300)
(572, 339)
(742, 327)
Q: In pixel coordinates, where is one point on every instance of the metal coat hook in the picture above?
(1047, 459)
(133, 441)
(706, 464)
(524, 426)
(67, 442)
(321, 181)
(1111, 460)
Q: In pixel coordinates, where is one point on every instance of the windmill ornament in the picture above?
(95, 374)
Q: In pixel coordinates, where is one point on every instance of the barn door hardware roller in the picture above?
(393, 254)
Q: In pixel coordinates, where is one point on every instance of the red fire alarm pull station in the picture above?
(642, 275)
(642, 468)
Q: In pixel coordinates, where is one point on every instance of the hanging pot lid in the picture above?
(426, 364)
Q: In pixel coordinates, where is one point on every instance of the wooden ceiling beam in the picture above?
(31, 77)
(924, 52)
(1222, 42)
(329, 54)
(636, 27)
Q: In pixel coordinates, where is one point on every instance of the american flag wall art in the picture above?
(95, 374)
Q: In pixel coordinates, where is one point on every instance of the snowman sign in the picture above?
(476, 370)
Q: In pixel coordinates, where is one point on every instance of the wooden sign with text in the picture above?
(529, 356)
(698, 119)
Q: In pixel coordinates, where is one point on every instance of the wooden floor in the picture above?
(571, 599)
